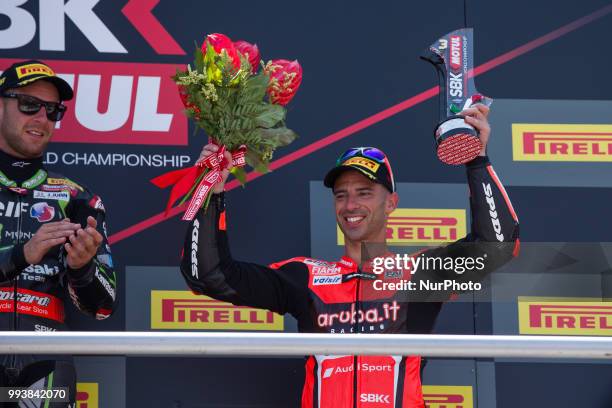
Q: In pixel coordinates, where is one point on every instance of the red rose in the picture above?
(221, 42)
(285, 79)
(251, 52)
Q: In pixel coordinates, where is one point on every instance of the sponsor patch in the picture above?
(52, 195)
(42, 211)
(363, 162)
(326, 280)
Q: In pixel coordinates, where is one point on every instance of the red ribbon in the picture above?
(184, 179)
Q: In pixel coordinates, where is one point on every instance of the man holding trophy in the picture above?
(340, 296)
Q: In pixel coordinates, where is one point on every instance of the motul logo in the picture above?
(380, 398)
(455, 52)
(120, 103)
(52, 16)
(493, 212)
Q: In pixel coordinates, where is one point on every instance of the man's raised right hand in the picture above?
(207, 151)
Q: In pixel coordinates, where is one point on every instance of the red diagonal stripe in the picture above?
(362, 124)
(140, 14)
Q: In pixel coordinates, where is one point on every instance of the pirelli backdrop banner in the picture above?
(553, 142)
(363, 85)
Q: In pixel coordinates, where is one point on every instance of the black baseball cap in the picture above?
(369, 161)
(25, 72)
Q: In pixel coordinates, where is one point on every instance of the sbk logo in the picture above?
(52, 25)
(380, 398)
(139, 103)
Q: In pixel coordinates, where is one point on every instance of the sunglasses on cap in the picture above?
(371, 153)
(30, 105)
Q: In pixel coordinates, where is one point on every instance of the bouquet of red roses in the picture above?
(240, 107)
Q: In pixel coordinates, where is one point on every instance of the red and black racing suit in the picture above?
(339, 297)
(32, 297)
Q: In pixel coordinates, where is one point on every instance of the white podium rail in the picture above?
(292, 344)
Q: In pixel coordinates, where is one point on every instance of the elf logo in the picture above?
(52, 25)
(492, 211)
(195, 232)
(380, 398)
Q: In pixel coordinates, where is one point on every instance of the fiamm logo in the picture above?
(87, 395)
(408, 226)
(561, 142)
(182, 310)
(448, 396)
(565, 316)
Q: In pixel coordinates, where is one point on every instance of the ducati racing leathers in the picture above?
(340, 297)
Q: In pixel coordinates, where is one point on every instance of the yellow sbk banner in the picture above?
(183, 310)
(448, 396)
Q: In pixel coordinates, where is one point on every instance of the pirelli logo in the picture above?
(87, 395)
(562, 142)
(32, 69)
(183, 310)
(410, 226)
(363, 162)
(565, 316)
(448, 396)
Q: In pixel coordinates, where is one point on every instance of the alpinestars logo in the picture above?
(194, 248)
(493, 212)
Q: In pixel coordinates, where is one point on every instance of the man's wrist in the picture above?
(82, 275)
(479, 161)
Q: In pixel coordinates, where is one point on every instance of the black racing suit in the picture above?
(341, 296)
(32, 297)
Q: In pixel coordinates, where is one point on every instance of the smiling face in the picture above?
(362, 207)
(26, 136)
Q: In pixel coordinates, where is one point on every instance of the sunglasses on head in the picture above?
(369, 152)
(30, 105)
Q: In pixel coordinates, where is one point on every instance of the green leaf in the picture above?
(270, 116)
(240, 174)
(254, 160)
(198, 59)
(278, 136)
(255, 88)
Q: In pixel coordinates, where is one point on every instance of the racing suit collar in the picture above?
(18, 169)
